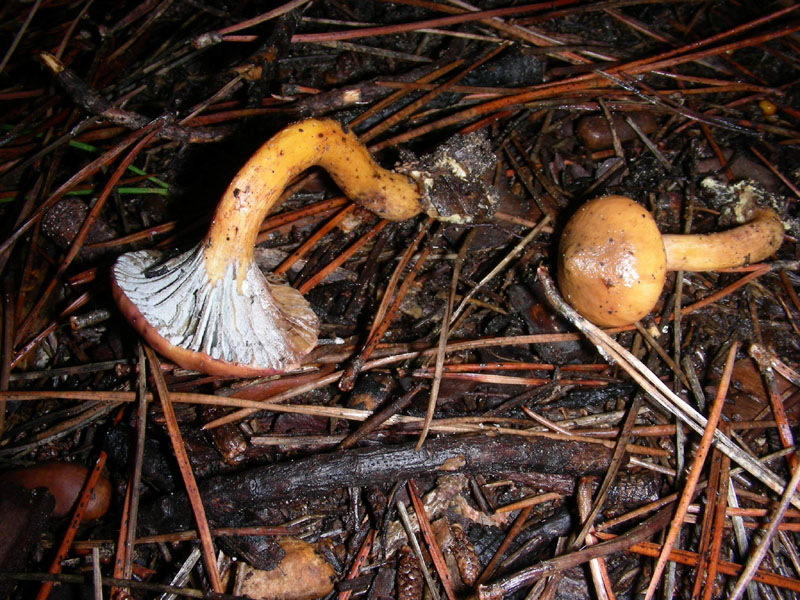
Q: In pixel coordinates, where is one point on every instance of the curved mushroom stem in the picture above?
(210, 308)
(754, 241)
(258, 185)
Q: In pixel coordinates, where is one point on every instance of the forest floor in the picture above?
(453, 429)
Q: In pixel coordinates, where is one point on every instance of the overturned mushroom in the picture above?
(613, 261)
(210, 309)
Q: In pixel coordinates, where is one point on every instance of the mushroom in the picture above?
(613, 260)
(64, 481)
(210, 308)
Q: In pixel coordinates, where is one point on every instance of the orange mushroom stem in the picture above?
(210, 309)
(749, 243)
(254, 191)
(613, 260)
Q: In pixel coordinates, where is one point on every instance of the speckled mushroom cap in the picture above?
(611, 263)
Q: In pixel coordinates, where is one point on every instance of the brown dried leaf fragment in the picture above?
(302, 574)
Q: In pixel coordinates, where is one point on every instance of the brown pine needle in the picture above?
(427, 24)
(430, 540)
(685, 557)
(359, 562)
(720, 510)
(313, 239)
(762, 358)
(694, 473)
(387, 311)
(206, 544)
(444, 333)
(658, 391)
(597, 566)
(343, 257)
(765, 542)
(148, 133)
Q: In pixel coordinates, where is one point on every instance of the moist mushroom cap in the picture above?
(612, 263)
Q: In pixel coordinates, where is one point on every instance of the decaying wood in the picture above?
(249, 490)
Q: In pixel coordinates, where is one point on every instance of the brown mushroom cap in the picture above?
(64, 481)
(612, 263)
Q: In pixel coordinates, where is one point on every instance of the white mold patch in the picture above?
(264, 326)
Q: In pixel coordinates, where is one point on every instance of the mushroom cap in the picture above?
(612, 263)
(65, 482)
(219, 327)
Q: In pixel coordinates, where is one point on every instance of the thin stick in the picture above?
(412, 541)
(500, 266)
(97, 576)
(378, 418)
(597, 566)
(443, 425)
(444, 333)
(511, 583)
(136, 476)
(616, 464)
